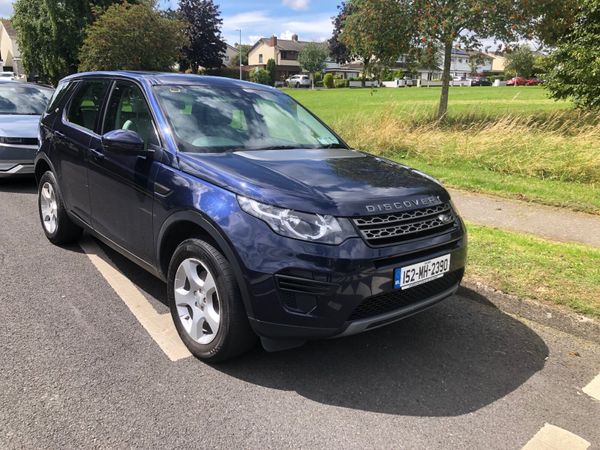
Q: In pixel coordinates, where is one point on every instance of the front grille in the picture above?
(394, 228)
(390, 301)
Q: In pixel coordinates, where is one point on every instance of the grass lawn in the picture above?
(333, 104)
(513, 142)
(526, 266)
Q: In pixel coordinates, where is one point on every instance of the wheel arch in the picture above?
(42, 165)
(184, 225)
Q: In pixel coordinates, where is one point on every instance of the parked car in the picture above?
(21, 105)
(517, 81)
(534, 82)
(259, 218)
(480, 81)
(298, 81)
(7, 74)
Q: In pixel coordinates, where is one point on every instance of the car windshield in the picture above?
(207, 120)
(23, 99)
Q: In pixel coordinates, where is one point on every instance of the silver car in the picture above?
(21, 105)
(298, 81)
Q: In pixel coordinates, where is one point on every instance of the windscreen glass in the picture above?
(16, 98)
(206, 119)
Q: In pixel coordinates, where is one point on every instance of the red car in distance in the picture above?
(517, 81)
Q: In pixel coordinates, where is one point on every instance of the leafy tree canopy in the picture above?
(576, 61)
(337, 49)
(236, 59)
(205, 46)
(521, 61)
(131, 37)
(312, 58)
(444, 23)
(50, 33)
(378, 31)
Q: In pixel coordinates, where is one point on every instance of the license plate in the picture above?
(410, 276)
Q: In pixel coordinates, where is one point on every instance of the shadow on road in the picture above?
(450, 360)
(20, 185)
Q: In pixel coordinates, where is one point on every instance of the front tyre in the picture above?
(57, 226)
(206, 303)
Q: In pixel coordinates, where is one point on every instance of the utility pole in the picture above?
(240, 49)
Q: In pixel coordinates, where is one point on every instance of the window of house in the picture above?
(260, 59)
(86, 103)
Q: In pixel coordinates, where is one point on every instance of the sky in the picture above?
(309, 19)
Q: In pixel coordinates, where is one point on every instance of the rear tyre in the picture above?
(57, 226)
(206, 304)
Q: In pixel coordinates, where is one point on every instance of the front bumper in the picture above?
(16, 169)
(16, 160)
(302, 290)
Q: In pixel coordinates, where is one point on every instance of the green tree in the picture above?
(50, 33)
(272, 71)
(131, 37)
(205, 46)
(378, 32)
(444, 23)
(236, 59)
(312, 59)
(520, 62)
(260, 76)
(337, 49)
(576, 61)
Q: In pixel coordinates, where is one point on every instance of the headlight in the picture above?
(297, 225)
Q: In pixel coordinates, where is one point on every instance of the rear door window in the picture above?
(86, 103)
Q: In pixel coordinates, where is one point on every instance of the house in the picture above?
(10, 57)
(284, 52)
(460, 66)
(230, 53)
(498, 63)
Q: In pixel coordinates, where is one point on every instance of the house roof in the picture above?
(9, 28)
(283, 44)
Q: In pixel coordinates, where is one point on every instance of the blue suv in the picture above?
(258, 216)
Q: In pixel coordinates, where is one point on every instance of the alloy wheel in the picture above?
(49, 207)
(197, 300)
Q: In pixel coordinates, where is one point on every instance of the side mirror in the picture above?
(124, 141)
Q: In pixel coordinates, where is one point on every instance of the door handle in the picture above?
(59, 134)
(97, 155)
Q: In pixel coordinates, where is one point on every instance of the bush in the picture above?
(341, 83)
(260, 76)
(328, 81)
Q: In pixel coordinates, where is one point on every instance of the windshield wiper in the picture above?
(338, 145)
(275, 147)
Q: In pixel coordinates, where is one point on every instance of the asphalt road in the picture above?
(77, 370)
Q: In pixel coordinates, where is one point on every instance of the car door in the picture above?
(72, 136)
(122, 183)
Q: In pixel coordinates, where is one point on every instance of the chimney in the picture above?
(295, 37)
(273, 41)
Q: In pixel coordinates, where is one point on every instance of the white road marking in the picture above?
(551, 437)
(593, 389)
(159, 326)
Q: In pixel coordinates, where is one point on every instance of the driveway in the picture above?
(79, 370)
